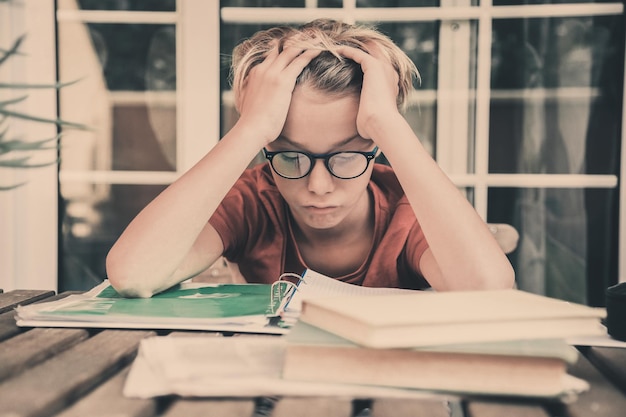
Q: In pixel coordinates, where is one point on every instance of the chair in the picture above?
(506, 236)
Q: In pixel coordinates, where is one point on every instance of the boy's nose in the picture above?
(320, 181)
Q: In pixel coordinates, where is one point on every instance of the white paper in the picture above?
(238, 366)
(315, 284)
(600, 341)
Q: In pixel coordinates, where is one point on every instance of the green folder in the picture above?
(193, 306)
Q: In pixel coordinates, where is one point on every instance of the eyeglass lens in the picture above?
(342, 165)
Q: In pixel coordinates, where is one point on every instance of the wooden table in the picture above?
(80, 372)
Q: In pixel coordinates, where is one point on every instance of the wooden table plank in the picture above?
(107, 400)
(29, 348)
(387, 407)
(502, 409)
(8, 328)
(211, 408)
(51, 386)
(602, 400)
(611, 361)
(312, 407)
(11, 299)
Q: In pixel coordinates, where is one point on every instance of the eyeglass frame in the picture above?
(269, 155)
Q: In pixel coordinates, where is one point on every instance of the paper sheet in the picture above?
(238, 366)
(598, 341)
(315, 284)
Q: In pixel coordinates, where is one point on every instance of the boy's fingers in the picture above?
(288, 54)
(355, 54)
(300, 62)
(273, 53)
(375, 50)
(270, 57)
(374, 58)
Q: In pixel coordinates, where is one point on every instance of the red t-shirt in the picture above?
(253, 222)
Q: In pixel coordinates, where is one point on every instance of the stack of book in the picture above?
(503, 342)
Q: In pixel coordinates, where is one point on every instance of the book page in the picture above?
(314, 284)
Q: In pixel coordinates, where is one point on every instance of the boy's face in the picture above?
(320, 123)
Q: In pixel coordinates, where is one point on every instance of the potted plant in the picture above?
(15, 152)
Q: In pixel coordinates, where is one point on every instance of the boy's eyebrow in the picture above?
(339, 144)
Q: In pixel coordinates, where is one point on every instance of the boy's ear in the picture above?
(240, 95)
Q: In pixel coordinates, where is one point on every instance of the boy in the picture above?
(320, 101)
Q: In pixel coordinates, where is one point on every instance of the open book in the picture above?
(246, 308)
(315, 285)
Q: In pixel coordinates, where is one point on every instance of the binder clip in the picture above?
(281, 293)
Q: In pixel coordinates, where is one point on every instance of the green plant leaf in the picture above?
(14, 50)
(38, 86)
(38, 142)
(12, 101)
(21, 145)
(59, 122)
(22, 163)
(11, 187)
(18, 145)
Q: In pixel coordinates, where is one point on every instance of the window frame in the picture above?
(29, 214)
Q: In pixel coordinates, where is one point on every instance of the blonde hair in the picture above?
(328, 72)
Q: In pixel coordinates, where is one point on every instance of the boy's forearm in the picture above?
(155, 250)
(464, 248)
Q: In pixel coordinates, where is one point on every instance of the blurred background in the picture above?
(520, 102)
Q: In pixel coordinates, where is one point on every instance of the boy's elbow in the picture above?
(510, 277)
(500, 278)
(122, 281)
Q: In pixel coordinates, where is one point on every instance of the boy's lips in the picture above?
(320, 209)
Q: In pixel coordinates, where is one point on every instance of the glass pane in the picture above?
(262, 3)
(419, 40)
(126, 94)
(557, 95)
(94, 217)
(568, 239)
(397, 3)
(132, 5)
(529, 2)
(329, 3)
(135, 57)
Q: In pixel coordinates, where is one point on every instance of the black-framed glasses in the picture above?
(297, 164)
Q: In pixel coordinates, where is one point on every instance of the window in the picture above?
(520, 103)
(146, 71)
(521, 106)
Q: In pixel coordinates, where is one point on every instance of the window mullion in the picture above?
(483, 94)
(198, 95)
(30, 233)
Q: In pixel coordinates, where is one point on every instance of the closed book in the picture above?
(435, 318)
(529, 368)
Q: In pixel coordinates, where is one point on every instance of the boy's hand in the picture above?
(267, 90)
(380, 88)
